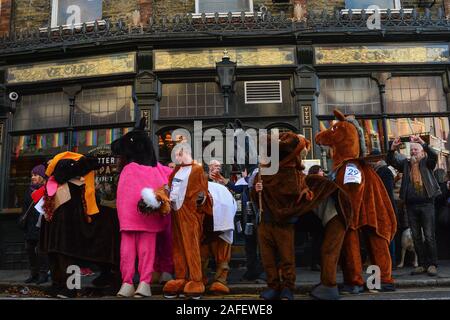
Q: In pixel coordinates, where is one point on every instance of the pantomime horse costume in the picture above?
(373, 214)
(290, 193)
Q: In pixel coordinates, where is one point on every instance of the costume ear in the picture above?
(305, 143)
(339, 115)
(142, 124)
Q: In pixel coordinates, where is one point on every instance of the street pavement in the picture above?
(409, 287)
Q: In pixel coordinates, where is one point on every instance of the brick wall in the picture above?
(319, 5)
(5, 16)
(37, 13)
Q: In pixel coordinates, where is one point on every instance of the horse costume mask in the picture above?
(344, 135)
(135, 146)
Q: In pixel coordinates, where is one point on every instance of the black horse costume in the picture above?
(74, 229)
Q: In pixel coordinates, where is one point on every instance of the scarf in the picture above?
(416, 177)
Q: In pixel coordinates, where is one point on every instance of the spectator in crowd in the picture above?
(419, 189)
(37, 261)
(254, 270)
(387, 175)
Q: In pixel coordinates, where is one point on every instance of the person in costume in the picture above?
(69, 207)
(373, 213)
(190, 201)
(143, 209)
(282, 198)
(218, 231)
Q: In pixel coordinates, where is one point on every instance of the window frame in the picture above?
(54, 19)
(198, 14)
(396, 9)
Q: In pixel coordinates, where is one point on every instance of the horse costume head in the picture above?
(345, 138)
(291, 148)
(135, 146)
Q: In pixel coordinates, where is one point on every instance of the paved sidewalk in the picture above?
(11, 281)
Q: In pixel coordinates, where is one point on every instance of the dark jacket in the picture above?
(31, 231)
(426, 165)
(387, 177)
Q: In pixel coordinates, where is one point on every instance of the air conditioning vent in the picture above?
(263, 92)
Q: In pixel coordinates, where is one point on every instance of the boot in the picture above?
(219, 288)
(174, 288)
(143, 291)
(322, 292)
(43, 278)
(126, 291)
(32, 278)
(194, 289)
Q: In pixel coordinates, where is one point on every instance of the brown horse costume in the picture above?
(372, 210)
(187, 230)
(289, 194)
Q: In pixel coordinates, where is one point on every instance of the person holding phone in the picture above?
(418, 190)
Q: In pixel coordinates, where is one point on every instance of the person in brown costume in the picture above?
(286, 195)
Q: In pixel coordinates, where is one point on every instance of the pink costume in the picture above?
(139, 232)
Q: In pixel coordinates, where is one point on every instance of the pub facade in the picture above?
(76, 80)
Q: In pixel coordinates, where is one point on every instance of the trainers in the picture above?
(348, 289)
(85, 272)
(432, 271)
(418, 270)
(31, 279)
(270, 294)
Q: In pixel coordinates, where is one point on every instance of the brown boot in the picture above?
(173, 288)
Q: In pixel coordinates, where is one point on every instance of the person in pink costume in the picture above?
(142, 233)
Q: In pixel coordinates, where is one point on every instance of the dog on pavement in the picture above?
(408, 245)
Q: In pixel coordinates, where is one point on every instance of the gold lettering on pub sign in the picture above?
(382, 54)
(89, 67)
(207, 58)
(306, 115)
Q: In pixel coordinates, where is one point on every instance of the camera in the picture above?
(13, 96)
(404, 139)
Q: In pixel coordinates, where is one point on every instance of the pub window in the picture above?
(418, 94)
(223, 6)
(42, 111)
(104, 106)
(75, 12)
(433, 130)
(29, 151)
(191, 100)
(364, 4)
(349, 95)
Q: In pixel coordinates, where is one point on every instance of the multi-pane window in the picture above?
(223, 6)
(364, 4)
(42, 111)
(191, 100)
(104, 106)
(415, 94)
(350, 95)
(75, 12)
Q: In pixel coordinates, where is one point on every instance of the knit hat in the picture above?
(39, 170)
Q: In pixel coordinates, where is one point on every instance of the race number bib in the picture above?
(352, 174)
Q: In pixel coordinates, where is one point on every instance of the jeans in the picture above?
(421, 216)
